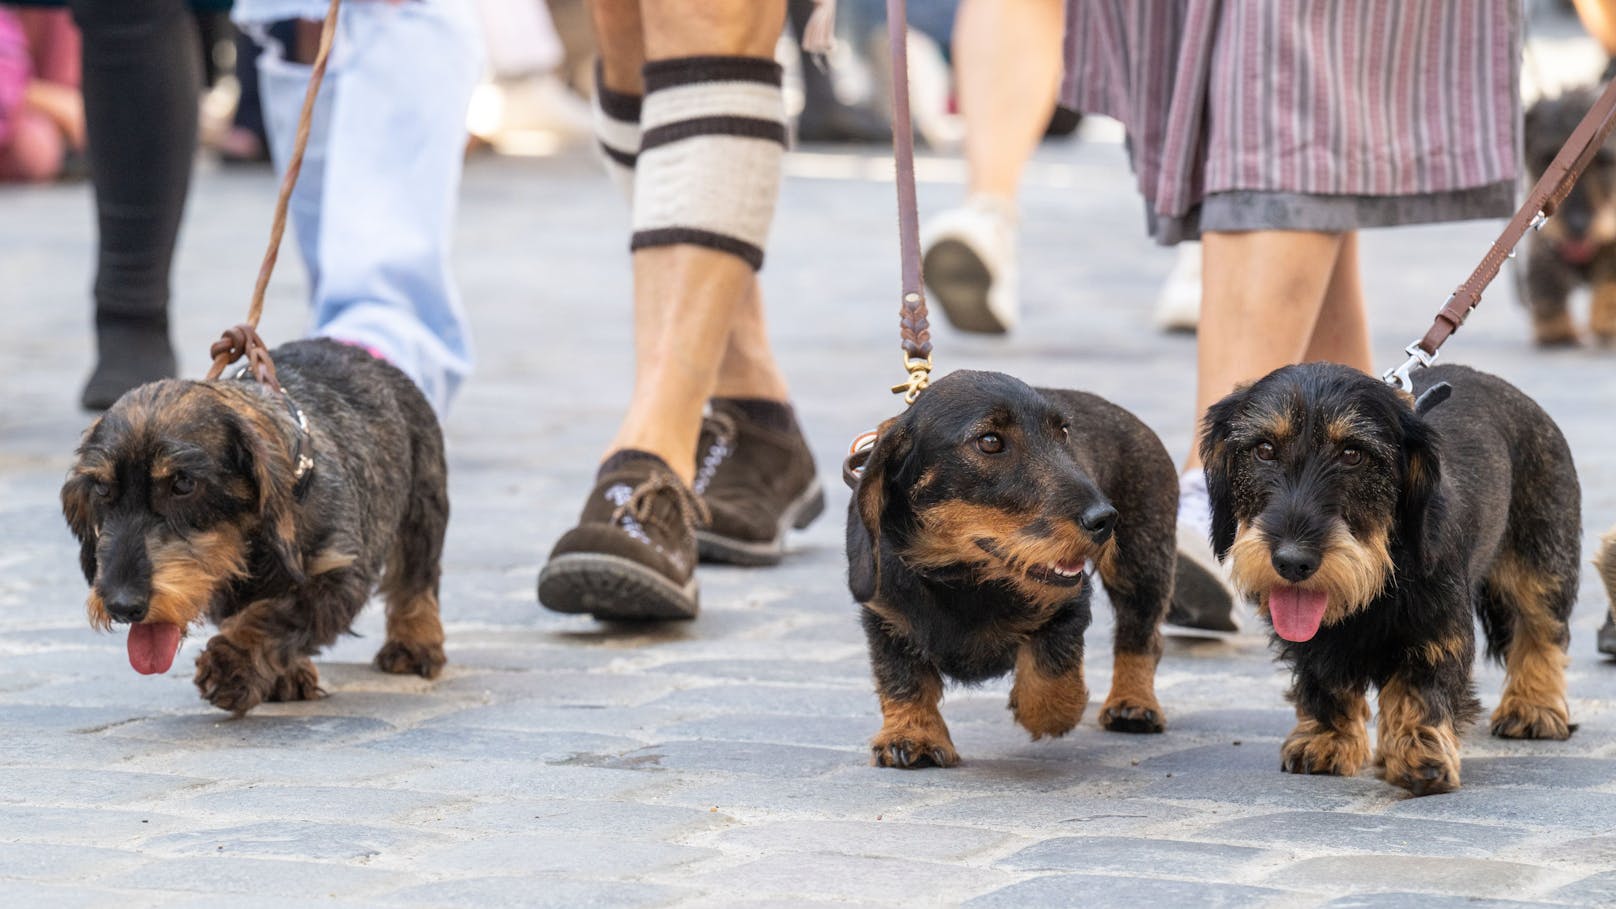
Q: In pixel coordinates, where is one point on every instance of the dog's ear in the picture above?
(864, 512)
(1217, 459)
(76, 508)
(1422, 476)
(266, 457)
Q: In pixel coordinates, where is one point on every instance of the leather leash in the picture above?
(242, 340)
(914, 328)
(1541, 203)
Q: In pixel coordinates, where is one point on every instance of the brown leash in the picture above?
(243, 340)
(914, 329)
(1541, 203)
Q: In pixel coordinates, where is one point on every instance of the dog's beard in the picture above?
(1351, 573)
(993, 545)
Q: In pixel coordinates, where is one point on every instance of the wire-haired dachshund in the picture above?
(1370, 528)
(967, 541)
(274, 516)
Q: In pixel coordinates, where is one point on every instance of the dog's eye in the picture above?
(102, 490)
(990, 443)
(1265, 451)
(1351, 457)
(181, 484)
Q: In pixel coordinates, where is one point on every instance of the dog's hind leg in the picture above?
(410, 584)
(1602, 312)
(1525, 608)
(1332, 732)
(1140, 586)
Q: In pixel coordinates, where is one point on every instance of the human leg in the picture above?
(1008, 61)
(141, 75)
(706, 176)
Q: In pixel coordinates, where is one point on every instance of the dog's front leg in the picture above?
(1602, 313)
(1419, 746)
(913, 733)
(1332, 730)
(1049, 693)
(249, 662)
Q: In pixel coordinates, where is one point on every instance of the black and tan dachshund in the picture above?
(275, 517)
(1372, 529)
(968, 540)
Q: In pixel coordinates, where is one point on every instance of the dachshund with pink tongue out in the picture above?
(1370, 528)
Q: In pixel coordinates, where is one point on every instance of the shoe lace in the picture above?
(722, 427)
(639, 503)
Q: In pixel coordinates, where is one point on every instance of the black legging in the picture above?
(142, 74)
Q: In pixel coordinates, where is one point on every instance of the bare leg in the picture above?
(1008, 56)
(1599, 18)
(749, 369)
(686, 297)
(1272, 298)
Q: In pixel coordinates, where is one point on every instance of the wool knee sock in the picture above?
(713, 134)
(617, 133)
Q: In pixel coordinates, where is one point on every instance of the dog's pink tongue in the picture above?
(1296, 612)
(152, 646)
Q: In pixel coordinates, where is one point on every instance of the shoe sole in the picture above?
(960, 281)
(803, 510)
(613, 589)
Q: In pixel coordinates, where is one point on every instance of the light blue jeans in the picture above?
(375, 204)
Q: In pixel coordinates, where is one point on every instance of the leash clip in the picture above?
(1417, 358)
(1537, 220)
(919, 378)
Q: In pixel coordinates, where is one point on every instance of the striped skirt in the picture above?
(1305, 114)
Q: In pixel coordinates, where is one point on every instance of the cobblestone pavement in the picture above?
(560, 762)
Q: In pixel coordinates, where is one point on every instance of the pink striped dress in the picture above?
(1305, 114)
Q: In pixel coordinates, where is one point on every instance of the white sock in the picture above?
(1194, 504)
(713, 133)
(617, 133)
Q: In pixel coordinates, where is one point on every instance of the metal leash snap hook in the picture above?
(919, 378)
(1400, 377)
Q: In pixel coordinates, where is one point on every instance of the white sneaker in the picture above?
(1178, 308)
(970, 264)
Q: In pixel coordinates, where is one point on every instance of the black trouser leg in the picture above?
(142, 75)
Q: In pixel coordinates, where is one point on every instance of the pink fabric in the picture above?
(34, 44)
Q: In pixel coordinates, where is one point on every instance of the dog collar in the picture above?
(302, 462)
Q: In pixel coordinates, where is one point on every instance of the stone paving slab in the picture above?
(723, 762)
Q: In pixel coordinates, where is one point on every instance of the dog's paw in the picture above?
(1556, 330)
(229, 677)
(912, 752)
(1047, 706)
(410, 658)
(300, 683)
(1312, 749)
(1518, 719)
(1424, 763)
(1130, 715)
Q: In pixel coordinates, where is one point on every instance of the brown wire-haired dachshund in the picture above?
(272, 516)
(1370, 528)
(967, 541)
(1578, 245)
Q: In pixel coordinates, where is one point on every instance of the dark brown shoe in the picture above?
(758, 483)
(633, 554)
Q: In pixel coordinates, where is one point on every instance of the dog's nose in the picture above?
(1295, 563)
(1099, 521)
(125, 606)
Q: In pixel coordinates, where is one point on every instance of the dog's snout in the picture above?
(125, 605)
(1099, 520)
(1295, 562)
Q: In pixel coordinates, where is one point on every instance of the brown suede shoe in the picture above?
(633, 554)
(758, 483)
